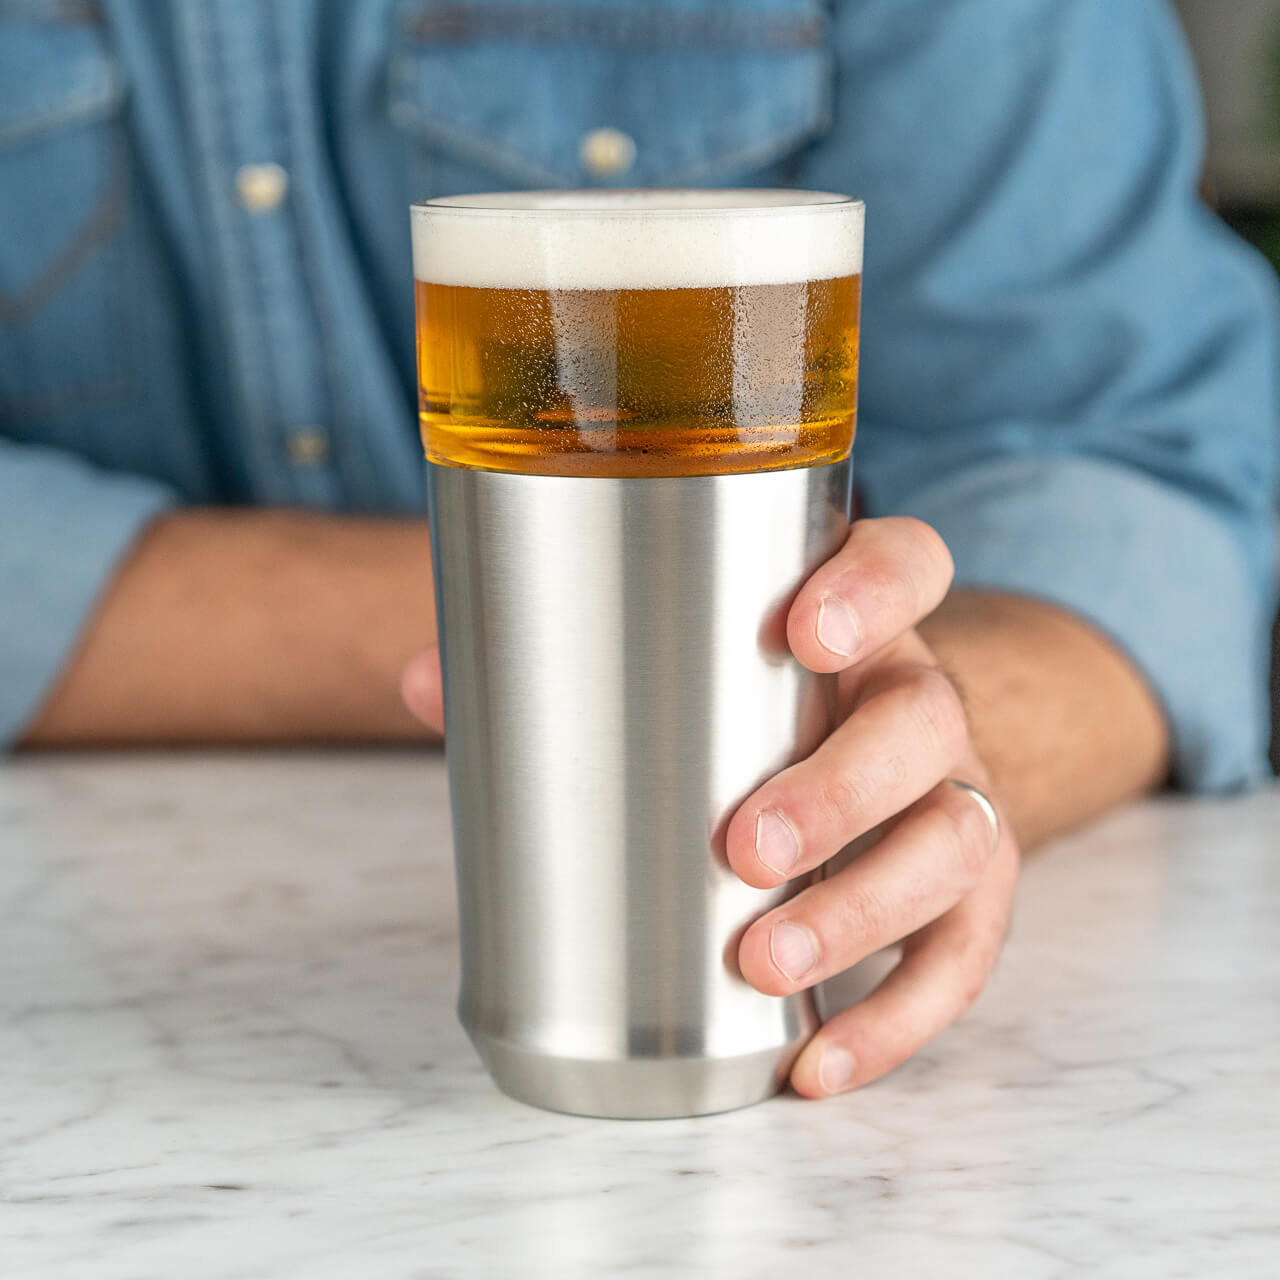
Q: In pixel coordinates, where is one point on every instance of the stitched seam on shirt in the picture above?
(456, 23)
(256, 382)
(200, 42)
(354, 467)
(273, 382)
(117, 320)
(746, 159)
(88, 104)
(478, 147)
(104, 220)
(98, 98)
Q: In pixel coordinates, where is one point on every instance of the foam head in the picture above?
(636, 239)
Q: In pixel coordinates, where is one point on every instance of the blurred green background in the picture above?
(1236, 44)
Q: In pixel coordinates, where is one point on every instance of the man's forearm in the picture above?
(278, 626)
(250, 626)
(1066, 725)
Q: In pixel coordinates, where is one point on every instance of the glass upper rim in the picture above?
(649, 202)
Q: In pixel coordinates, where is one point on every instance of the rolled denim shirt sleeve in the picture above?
(1069, 364)
(65, 526)
(1153, 570)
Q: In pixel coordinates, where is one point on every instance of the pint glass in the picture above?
(638, 413)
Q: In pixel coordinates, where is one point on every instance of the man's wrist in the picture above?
(1065, 724)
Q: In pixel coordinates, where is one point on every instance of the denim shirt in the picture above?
(1067, 362)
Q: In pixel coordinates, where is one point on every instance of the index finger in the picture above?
(890, 573)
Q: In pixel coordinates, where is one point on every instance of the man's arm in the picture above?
(242, 626)
(1068, 365)
(1060, 717)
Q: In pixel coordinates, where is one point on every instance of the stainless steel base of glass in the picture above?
(617, 680)
(641, 1088)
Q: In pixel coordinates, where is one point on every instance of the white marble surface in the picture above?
(227, 1048)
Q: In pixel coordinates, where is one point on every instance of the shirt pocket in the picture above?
(63, 194)
(664, 93)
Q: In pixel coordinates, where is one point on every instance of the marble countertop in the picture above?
(228, 1049)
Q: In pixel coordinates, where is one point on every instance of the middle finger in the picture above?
(935, 855)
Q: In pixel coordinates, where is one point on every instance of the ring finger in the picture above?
(934, 855)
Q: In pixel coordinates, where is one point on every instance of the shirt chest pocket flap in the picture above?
(642, 94)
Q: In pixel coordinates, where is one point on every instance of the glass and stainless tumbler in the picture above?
(638, 413)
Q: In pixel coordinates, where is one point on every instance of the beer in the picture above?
(638, 334)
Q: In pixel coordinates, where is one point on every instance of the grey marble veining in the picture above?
(228, 1049)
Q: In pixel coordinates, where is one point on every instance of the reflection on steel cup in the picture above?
(638, 411)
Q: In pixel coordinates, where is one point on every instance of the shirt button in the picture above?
(607, 152)
(261, 187)
(308, 446)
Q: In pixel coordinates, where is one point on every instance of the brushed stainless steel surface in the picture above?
(616, 680)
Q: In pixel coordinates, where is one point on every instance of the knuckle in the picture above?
(940, 714)
(931, 548)
(843, 796)
(968, 834)
(973, 983)
(863, 917)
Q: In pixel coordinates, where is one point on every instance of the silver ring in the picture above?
(984, 803)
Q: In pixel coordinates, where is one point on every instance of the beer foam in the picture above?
(636, 239)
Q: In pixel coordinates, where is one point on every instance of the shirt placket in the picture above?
(274, 343)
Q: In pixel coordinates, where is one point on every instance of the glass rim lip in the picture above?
(647, 202)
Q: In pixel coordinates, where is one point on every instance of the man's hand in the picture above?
(1064, 726)
(935, 879)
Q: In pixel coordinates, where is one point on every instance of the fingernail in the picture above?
(838, 630)
(835, 1069)
(776, 843)
(793, 949)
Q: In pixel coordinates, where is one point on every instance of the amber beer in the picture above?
(673, 343)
